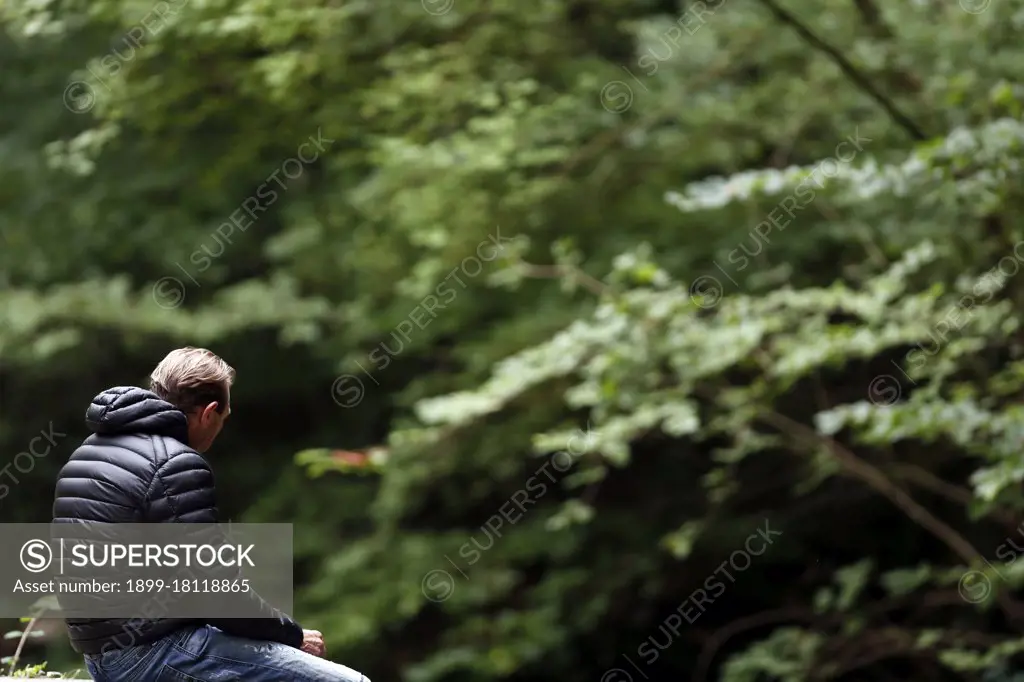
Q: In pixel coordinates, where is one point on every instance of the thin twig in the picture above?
(21, 644)
(858, 78)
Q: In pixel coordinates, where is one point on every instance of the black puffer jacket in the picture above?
(138, 468)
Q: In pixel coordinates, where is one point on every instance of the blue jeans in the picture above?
(206, 654)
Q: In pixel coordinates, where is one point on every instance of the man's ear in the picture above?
(209, 411)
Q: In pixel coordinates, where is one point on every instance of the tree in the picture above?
(742, 270)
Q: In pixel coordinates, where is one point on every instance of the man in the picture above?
(143, 465)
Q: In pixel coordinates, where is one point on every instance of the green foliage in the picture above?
(770, 272)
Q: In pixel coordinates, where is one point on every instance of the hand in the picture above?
(313, 643)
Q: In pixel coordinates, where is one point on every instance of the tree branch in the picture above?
(734, 628)
(847, 68)
(929, 481)
(875, 478)
(880, 482)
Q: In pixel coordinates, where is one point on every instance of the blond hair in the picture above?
(192, 377)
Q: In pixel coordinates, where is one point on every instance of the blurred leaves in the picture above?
(747, 294)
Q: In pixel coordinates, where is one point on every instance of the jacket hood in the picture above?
(133, 410)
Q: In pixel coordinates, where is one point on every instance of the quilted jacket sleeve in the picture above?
(183, 491)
